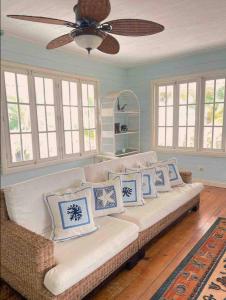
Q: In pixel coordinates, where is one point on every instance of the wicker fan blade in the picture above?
(109, 45)
(60, 41)
(95, 10)
(134, 27)
(42, 20)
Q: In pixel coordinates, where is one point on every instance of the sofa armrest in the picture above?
(186, 176)
(25, 254)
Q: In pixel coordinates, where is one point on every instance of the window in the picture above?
(49, 118)
(190, 114)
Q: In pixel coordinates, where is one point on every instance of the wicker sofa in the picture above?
(32, 264)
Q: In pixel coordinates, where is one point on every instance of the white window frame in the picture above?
(7, 166)
(200, 78)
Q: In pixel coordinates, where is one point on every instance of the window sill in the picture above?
(190, 152)
(34, 166)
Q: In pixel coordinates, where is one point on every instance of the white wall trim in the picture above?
(211, 183)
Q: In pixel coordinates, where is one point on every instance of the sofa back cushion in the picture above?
(99, 172)
(25, 203)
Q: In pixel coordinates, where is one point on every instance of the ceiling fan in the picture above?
(88, 31)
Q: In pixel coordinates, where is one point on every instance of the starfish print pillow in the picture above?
(71, 213)
(131, 187)
(107, 197)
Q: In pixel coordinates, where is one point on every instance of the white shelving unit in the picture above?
(121, 143)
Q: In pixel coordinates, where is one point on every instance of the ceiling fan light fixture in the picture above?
(88, 41)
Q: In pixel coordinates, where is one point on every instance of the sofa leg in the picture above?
(196, 207)
(131, 263)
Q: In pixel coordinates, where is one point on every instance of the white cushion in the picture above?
(75, 259)
(25, 203)
(99, 172)
(156, 209)
(71, 213)
(106, 197)
(131, 187)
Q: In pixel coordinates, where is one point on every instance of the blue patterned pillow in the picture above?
(71, 213)
(162, 181)
(131, 187)
(107, 197)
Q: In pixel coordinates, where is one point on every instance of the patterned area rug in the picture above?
(202, 273)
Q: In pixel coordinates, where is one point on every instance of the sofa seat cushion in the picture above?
(156, 209)
(75, 259)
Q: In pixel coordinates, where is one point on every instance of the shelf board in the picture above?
(127, 153)
(126, 133)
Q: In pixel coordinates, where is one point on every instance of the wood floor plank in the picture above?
(167, 252)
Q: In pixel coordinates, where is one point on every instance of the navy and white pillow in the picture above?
(71, 213)
(162, 180)
(174, 174)
(131, 187)
(148, 185)
(106, 197)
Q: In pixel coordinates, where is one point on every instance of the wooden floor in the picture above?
(167, 252)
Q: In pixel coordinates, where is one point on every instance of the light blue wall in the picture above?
(111, 78)
(139, 78)
(115, 78)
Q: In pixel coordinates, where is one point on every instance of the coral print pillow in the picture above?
(131, 187)
(71, 213)
(107, 197)
(162, 180)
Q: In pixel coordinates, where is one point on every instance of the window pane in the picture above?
(207, 137)
(220, 90)
(10, 85)
(92, 136)
(52, 144)
(49, 91)
(67, 118)
(170, 95)
(39, 90)
(162, 116)
(65, 92)
(43, 145)
(74, 93)
(75, 142)
(86, 118)
(209, 91)
(25, 118)
(191, 115)
(169, 116)
(50, 112)
(192, 93)
(68, 143)
(13, 117)
(27, 147)
(91, 96)
(74, 118)
(162, 96)
(182, 115)
(208, 114)
(169, 136)
(16, 150)
(86, 140)
(191, 137)
(22, 84)
(182, 137)
(219, 114)
(92, 118)
(217, 138)
(161, 136)
(84, 95)
(183, 93)
(41, 118)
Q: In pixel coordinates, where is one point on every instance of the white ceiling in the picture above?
(191, 25)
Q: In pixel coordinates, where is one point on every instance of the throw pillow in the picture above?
(162, 180)
(148, 186)
(71, 213)
(107, 197)
(131, 187)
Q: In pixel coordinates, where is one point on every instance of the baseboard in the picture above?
(211, 183)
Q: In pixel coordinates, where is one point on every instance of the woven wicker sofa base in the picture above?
(79, 290)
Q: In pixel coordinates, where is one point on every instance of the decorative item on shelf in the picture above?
(119, 107)
(117, 128)
(124, 128)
